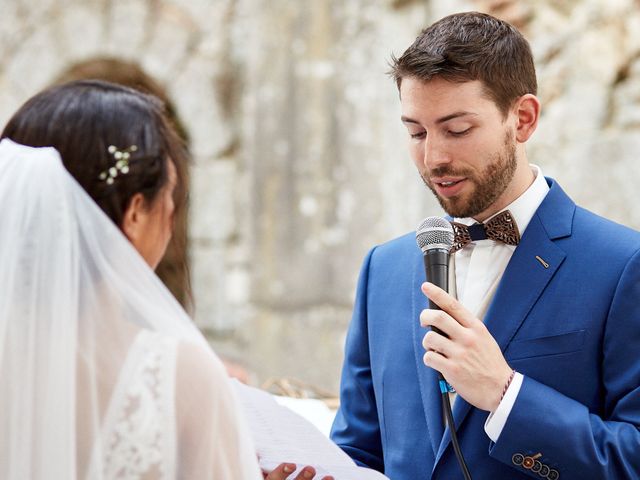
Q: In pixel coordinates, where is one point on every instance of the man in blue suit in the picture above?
(542, 332)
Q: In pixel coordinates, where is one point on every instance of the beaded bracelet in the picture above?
(506, 386)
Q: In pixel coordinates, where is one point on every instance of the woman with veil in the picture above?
(102, 373)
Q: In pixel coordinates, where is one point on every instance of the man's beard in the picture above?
(489, 184)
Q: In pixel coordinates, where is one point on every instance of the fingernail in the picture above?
(288, 469)
(308, 474)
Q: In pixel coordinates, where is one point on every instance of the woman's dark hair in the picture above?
(82, 119)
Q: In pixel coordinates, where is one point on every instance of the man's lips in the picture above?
(448, 186)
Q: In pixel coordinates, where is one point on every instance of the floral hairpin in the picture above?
(120, 167)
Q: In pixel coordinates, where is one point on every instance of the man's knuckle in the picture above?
(470, 339)
(456, 307)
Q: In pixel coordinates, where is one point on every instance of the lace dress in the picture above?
(138, 435)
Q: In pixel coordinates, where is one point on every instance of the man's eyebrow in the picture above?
(446, 118)
(407, 119)
(451, 116)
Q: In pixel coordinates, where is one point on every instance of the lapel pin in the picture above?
(544, 264)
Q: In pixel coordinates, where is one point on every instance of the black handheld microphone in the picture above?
(435, 238)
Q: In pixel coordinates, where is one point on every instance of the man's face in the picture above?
(463, 147)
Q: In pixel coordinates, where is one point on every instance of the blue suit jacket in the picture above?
(572, 328)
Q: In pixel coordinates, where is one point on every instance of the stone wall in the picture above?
(300, 162)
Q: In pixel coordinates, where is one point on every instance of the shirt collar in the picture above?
(523, 207)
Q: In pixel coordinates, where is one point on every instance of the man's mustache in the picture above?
(445, 172)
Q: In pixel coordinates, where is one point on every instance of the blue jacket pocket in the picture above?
(543, 346)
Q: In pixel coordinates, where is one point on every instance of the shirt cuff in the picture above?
(496, 420)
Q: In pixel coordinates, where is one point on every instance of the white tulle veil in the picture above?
(75, 301)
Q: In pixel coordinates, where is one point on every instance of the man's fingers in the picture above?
(436, 361)
(448, 304)
(445, 324)
(437, 343)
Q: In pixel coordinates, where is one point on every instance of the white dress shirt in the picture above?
(479, 267)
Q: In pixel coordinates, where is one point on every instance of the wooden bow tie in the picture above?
(501, 228)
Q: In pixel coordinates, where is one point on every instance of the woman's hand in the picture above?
(282, 471)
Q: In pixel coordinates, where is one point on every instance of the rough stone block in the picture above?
(208, 274)
(212, 211)
(196, 98)
(82, 31)
(127, 27)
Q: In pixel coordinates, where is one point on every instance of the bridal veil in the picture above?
(102, 373)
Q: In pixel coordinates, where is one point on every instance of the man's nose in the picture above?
(436, 153)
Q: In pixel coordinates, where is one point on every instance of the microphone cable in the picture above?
(448, 416)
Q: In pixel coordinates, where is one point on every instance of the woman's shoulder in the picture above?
(190, 354)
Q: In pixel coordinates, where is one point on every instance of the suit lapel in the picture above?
(533, 264)
(531, 267)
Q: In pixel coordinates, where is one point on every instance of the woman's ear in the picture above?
(527, 110)
(134, 219)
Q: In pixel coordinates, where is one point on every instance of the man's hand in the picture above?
(470, 359)
(282, 471)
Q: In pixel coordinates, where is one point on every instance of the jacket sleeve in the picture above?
(356, 428)
(563, 434)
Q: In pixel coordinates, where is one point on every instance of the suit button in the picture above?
(528, 463)
(537, 466)
(553, 474)
(544, 471)
(517, 459)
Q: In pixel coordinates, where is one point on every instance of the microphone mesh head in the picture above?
(434, 233)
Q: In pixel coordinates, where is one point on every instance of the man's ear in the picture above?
(527, 111)
(134, 218)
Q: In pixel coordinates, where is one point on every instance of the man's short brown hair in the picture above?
(472, 46)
